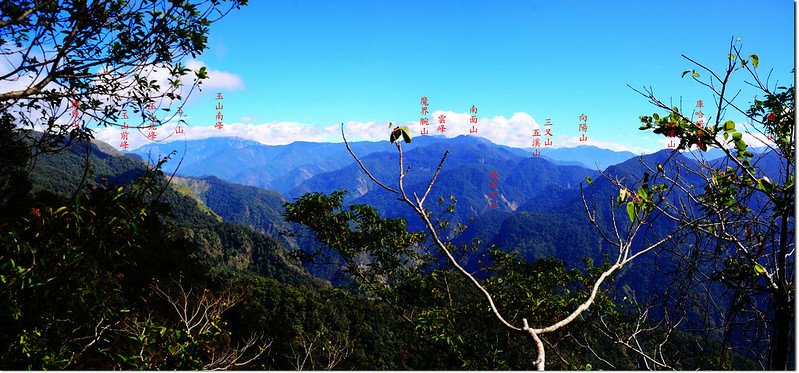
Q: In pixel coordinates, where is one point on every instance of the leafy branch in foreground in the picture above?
(75, 63)
(741, 206)
(625, 254)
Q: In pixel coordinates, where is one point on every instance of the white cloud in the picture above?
(756, 139)
(572, 141)
(273, 133)
(19, 81)
(752, 139)
(217, 79)
(667, 142)
(751, 135)
(515, 131)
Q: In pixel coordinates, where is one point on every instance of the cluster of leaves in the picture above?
(443, 310)
(76, 275)
(674, 124)
(80, 261)
(776, 113)
(543, 291)
(690, 133)
(399, 131)
(98, 58)
(641, 202)
(375, 251)
(78, 292)
(744, 202)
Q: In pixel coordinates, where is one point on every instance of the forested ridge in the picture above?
(419, 252)
(175, 244)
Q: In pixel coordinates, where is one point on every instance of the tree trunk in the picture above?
(783, 314)
(780, 335)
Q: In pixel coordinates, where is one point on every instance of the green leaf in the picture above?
(643, 193)
(729, 126)
(202, 73)
(631, 211)
(755, 60)
(622, 197)
(406, 134)
(694, 74)
(589, 180)
(765, 184)
(759, 269)
(395, 134)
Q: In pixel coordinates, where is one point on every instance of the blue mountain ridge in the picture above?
(286, 167)
(541, 212)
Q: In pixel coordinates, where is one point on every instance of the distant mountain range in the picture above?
(587, 156)
(526, 186)
(221, 242)
(285, 168)
(212, 169)
(540, 212)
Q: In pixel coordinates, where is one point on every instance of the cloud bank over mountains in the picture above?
(515, 131)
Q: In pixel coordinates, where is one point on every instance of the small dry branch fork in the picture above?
(623, 243)
(197, 312)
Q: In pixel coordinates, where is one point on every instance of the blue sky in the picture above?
(313, 64)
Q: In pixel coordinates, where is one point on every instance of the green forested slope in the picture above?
(222, 243)
(93, 281)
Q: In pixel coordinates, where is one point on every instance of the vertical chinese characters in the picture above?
(671, 133)
(473, 119)
(493, 184)
(700, 122)
(548, 132)
(424, 120)
(75, 104)
(125, 133)
(536, 144)
(219, 115)
(151, 131)
(179, 129)
(583, 127)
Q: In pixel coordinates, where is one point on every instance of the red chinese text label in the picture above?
(583, 127)
(424, 121)
(473, 119)
(219, 115)
(493, 194)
